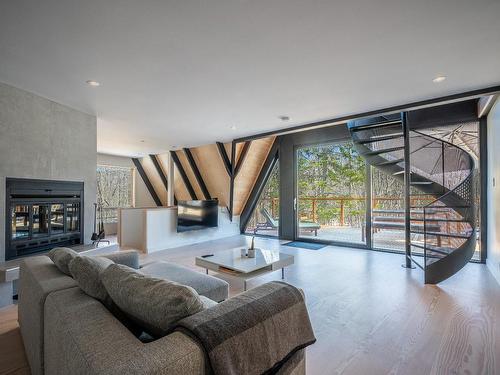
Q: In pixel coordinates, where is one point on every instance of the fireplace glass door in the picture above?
(72, 217)
(20, 221)
(40, 220)
(56, 219)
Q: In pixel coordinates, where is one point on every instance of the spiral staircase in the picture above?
(438, 176)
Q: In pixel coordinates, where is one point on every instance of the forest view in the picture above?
(114, 190)
(331, 182)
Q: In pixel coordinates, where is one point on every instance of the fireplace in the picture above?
(42, 214)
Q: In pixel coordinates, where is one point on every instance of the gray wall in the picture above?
(493, 192)
(43, 139)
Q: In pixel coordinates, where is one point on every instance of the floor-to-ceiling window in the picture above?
(388, 211)
(331, 193)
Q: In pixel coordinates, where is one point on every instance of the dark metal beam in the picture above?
(225, 158)
(407, 181)
(148, 184)
(394, 109)
(265, 172)
(232, 177)
(156, 163)
(183, 174)
(242, 157)
(197, 173)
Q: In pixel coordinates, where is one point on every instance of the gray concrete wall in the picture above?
(493, 222)
(43, 139)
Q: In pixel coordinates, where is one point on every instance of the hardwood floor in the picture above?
(370, 316)
(12, 358)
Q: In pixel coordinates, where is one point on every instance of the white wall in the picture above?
(43, 139)
(155, 229)
(493, 260)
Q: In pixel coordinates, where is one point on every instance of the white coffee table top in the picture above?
(233, 260)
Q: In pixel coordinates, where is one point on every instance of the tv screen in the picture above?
(194, 215)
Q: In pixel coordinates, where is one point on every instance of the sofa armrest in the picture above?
(254, 332)
(83, 337)
(128, 258)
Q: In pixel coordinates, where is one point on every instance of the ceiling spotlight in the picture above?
(439, 79)
(93, 83)
(232, 127)
(284, 118)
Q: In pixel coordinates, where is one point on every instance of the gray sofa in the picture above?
(65, 331)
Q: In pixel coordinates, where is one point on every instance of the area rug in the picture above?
(305, 245)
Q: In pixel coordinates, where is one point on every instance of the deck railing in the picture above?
(342, 203)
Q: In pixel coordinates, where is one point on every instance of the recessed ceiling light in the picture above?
(93, 83)
(439, 79)
(232, 127)
(284, 118)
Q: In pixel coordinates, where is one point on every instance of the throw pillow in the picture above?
(87, 273)
(155, 304)
(62, 256)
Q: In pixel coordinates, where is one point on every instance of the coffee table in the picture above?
(231, 264)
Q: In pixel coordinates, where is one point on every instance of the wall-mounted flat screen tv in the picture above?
(194, 215)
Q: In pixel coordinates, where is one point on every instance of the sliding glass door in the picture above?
(331, 194)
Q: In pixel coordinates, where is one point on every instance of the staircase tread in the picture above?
(380, 138)
(436, 249)
(442, 234)
(383, 151)
(389, 162)
(374, 126)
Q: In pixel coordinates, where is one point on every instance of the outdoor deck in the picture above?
(385, 239)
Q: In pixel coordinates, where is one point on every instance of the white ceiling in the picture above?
(181, 73)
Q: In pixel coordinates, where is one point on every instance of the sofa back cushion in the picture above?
(155, 304)
(87, 273)
(62, 256)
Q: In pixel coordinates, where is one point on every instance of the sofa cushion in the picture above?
(155, 304)
(206, 285)
(62, 256)
(207, 302)
(87, 273)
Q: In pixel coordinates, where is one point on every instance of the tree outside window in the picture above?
(115, 187)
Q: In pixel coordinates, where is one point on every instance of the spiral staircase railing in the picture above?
(440, 171)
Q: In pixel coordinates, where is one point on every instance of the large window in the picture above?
(265, 217)
(115, 186)
(331, 192)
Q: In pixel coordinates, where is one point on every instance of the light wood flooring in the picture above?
(370, 315)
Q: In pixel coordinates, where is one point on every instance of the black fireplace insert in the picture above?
(42, 214)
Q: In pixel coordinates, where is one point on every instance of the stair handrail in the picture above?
(452, 191)
(471, 172)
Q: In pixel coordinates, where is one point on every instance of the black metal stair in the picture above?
(450, 214)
